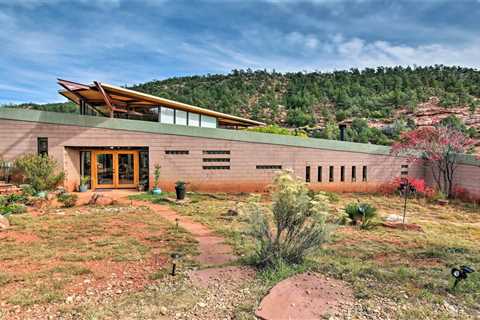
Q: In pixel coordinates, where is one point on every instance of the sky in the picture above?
(124, 42)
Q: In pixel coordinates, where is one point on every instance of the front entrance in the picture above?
(115, 169)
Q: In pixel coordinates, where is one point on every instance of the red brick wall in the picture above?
(18, 137)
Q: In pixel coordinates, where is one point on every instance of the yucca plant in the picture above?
(361, 214)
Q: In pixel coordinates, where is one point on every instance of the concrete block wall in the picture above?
(19, 137)
(466, 176)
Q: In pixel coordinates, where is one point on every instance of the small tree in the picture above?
(39, 171)
(298, 225)
(441, 146)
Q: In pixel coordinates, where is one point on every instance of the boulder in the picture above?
(393, 218)
(232, 212)
(101, 200)
(4, 223)
(93, 198)
(105, 201)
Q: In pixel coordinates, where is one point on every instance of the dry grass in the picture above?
(403, 273)
(410, 269)
(45, 259)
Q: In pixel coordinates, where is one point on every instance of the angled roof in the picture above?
(118, 99)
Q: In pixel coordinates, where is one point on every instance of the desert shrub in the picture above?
(16, 198)
(27, 190)
(68, 200)
(393, 186)
(332, 196)
(39, 171)
(13, 208)
(13, 199)
(361, 214)
(293, 227)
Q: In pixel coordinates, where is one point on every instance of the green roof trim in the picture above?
(469, 159)
(70, 119)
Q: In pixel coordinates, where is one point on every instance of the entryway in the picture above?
(115, 169)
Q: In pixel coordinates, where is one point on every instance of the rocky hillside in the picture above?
(376, 104)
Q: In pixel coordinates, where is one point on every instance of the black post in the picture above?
(342, 128)
(405, 204)
(173, 268)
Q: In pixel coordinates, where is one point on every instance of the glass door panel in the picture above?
(115, 169)
(105, 169)
(126, 169)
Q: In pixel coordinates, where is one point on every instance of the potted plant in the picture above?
(180, 190)
(156, 180)
(84, 184)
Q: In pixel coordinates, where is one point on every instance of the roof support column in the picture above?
(105, 97)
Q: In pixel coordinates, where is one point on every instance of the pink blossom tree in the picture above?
(440, 146)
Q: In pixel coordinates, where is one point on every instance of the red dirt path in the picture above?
(213, 250)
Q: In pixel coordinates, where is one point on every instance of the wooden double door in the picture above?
(115, 169)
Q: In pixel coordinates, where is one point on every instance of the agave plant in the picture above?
(361, 214)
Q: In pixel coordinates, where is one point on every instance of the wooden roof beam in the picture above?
(72, 86)
(105, 97)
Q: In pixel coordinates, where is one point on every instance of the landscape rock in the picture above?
(393, 218)
(305, 296)
(105, 201)
(101, 200)
(163, 311)
(232, 212)
(4, 223)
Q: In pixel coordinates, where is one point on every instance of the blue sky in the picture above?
(127, 42)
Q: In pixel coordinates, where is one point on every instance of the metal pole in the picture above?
(405, 203)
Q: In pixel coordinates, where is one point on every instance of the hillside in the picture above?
(377, 104)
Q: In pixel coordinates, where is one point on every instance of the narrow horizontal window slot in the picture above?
(216, 159)
(216, 151)
(216, 167)
(269, 167)
(177, 152)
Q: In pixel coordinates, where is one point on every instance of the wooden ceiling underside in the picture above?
(120, 100)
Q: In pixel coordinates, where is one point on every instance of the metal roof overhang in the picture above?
(121, 99)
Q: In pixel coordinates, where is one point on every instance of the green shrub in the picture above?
(332, 196)
(275, 129)
(361, 213)
(17, 198)
(13, 208)
(13, 199)
(27, 190)
(67, 199)
(298, 225)
(39, 171)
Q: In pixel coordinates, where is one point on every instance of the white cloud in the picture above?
(359, 53)
(7, 87)
(33, 4)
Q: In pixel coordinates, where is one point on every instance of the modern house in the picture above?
(120, 135)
